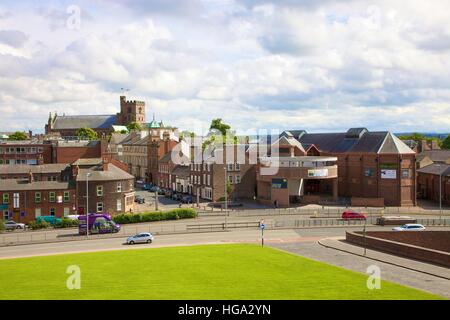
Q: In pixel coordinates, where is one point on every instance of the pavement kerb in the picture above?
(320, 242)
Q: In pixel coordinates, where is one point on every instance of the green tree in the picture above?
(134, 126)
(446, 143)
(18, 135)
(2, 225)
(219, 126)
(87, 133)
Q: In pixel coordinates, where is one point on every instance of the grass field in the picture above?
(197, 272)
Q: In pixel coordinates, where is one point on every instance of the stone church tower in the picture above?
(131, 111)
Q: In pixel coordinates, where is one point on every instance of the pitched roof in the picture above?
(23, 185)
(84, 121)
(97, 174)
(357, 140)
(35, 169)
(181, 171)
(436, 168)
(437, 155)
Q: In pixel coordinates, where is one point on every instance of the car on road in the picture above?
(143, 237)
(162, 191)
(187, 198)
(409, 227)
(351, 215)
(12, 225)
(139, 199)
(168, 193)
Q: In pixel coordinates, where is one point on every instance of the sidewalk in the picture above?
(338, 243)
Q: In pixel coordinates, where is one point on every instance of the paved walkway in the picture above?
(389, 272)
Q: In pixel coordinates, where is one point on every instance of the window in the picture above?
(16, 200)
(5, 215)
(119, 205)
(237, 178)
(237, 166)
(66, 196)
(230, 167)
(230, 179)
(66, 212)
(51, 196)
(52, 211)
(37, 212)
(405, 174)
(5, 198)
(119, 186)
(99, 191)
(99, 206)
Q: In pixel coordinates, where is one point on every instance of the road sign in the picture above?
(262, 226)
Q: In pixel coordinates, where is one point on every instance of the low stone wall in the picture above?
(408, 244)
(367, 202)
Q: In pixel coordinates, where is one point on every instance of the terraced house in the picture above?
(27, 192)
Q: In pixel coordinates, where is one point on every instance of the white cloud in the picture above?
(316, 65)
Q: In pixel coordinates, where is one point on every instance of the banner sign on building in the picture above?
(279, 183)
(388, 174)
(317, 173)
(388, 166)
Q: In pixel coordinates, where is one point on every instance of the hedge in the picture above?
(2, 225)
(41, 225)
(175, 214)
(67, 223)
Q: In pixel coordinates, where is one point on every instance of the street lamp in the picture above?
(226, 195)
(88, 174)
(440, 197)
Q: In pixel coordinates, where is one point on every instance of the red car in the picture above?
(351, 215)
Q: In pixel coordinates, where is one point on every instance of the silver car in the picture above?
(143, 237)
(12, 225)
(409, 227)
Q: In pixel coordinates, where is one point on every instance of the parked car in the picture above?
(12, 225)
(139, 199)
(168, 193)
(186, 198)
(73, 216)
(177, 196)
(351, 215)
(410, 227)
(155, 189)
(162, 191)
(143, 237)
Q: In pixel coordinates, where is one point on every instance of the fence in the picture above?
(327, 212)
(43, 237)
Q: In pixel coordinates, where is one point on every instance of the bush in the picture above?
(2, 225)
(38, 225)
(181, 213)
(67, 223)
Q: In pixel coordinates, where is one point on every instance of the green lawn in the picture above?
(197, 272)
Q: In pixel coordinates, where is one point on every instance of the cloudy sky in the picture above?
(316, 65)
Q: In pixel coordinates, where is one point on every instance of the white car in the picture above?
(409, 227)
(12, 225)
(143, 237)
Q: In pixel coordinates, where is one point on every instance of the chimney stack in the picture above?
(105, 162)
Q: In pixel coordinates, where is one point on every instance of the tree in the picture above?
(18, 135)
(87, 133)
(446, 143)
(2, 225)
(134, 126)
(219, 126)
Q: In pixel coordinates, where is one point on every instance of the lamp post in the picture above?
(440, 197)
(226, 196)
(87, 203)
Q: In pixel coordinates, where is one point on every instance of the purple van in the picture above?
(98, 224)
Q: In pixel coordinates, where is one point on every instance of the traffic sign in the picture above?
(262, 226)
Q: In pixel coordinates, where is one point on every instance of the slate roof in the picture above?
(437, 169)
(97, 174)
(356, 140)
(35, 169)
(437, 155)
(24, 185)
(85, 121)
(181, 171)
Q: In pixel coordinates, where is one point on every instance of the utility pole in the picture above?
(440, 198)
(226, 196)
